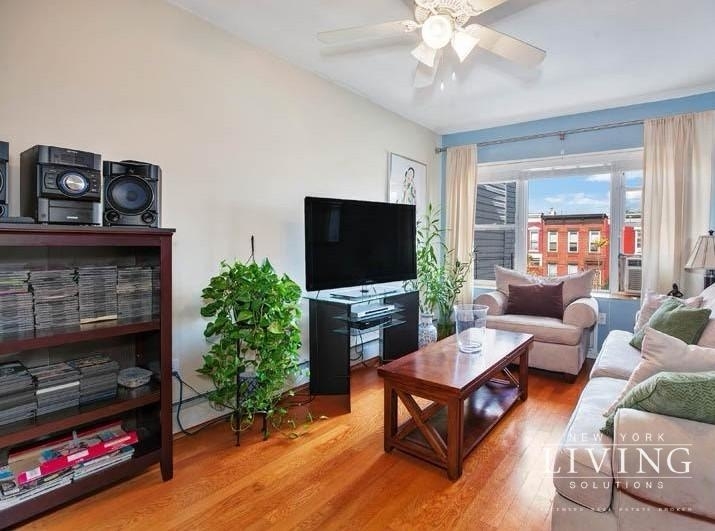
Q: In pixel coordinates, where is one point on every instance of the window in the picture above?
(495, 228)
(572, 268)
(553, 241)
(523, 207)
(573, 241)
(533, 240)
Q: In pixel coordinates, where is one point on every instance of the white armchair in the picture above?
(560, 345)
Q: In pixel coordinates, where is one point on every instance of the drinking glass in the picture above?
(471, 321)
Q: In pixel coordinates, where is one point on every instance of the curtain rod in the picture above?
(561, 134)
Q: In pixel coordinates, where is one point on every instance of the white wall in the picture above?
(241, 136)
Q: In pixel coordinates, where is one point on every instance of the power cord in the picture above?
(183, 430)
(227, 416)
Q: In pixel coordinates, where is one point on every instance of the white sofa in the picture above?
(594, 475)
(560, 345)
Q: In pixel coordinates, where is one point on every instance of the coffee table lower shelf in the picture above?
(481, 412)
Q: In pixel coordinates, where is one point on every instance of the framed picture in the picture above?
(407, 182)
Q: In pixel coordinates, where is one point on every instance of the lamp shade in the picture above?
(703, 255)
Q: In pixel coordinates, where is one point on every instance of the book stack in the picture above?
(134, 292)
(57, 387)
(155, 291)
(16, 314)
(56, 303)
(17, 393)
(55, 464)
(98, 378)
(97, 293)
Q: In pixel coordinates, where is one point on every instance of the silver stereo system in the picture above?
(363, 311)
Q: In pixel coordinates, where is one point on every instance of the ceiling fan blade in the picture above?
(506, 46)
(424, 75)
(463, 43)
(424, 54)
(374, 31)
(485, 5)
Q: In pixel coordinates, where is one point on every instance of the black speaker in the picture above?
(131, 193)
(4, 158)
(61, 185)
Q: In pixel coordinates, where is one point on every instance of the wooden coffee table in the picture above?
(469, 393)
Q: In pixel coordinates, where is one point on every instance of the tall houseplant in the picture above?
(440, 276)
(254, 332)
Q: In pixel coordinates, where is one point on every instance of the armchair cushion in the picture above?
(544, 329)
(575, 287)
(543, 300)
(582, 312)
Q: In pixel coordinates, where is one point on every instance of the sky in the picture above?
(580, 195)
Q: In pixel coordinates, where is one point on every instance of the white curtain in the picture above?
(677, 182)
(459, 215)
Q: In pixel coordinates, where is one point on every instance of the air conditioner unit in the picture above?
(632, 275)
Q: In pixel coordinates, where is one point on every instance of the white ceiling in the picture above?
(600, 54)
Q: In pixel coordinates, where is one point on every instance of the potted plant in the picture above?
(440, 277)
(255, 339)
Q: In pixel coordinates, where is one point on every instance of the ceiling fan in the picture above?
(441, 23)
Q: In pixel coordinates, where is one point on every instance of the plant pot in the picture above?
(445, 330)
(427, 331)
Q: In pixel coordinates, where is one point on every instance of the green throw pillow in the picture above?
(686, 395)
(677, 320)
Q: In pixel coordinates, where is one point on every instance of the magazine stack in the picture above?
(98, 378)
(97, 293)
(56, 303)
(17, 393)
(57, 387)
(36, 471)
(134, 292)
(16, 314)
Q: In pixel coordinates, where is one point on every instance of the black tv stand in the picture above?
(334, 321)
(363, 293)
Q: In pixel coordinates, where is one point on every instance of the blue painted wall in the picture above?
(620, 313)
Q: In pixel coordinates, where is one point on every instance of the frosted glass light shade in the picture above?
(437, 31)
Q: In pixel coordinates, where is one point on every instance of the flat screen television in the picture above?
(354, 243)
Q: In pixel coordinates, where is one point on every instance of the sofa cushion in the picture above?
(617, 357)
(684, 395)
(582, 466)
(707, 338)
(676, 319)
(708, 295)
(681, 485)
(662, 352)
(576, 286)
(540, 300)
(544, 329)
(652, 301)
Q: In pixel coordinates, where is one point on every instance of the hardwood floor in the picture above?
(337, 475)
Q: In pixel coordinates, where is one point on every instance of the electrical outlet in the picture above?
(175, 364)
(602, 318)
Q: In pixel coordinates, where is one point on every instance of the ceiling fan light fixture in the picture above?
(437, 31)
(424, 54)
(463, 43)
